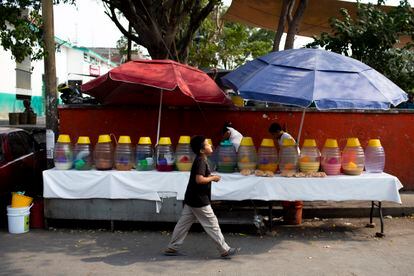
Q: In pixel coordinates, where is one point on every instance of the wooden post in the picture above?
(50, 79)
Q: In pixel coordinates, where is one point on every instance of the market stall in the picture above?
(154, 186)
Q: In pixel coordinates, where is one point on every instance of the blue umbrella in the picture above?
(300, 77)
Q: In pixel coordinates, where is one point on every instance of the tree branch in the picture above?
(294, 24)
(281, 25)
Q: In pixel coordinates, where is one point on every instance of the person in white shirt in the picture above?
(279, 134)
(231, 134)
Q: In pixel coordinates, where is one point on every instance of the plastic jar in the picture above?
(63, 154)
(164, 155)
(288, 156)
(353, 157)
(267, 156)
(331, 157)
(246, 155)
(227, 157)
(83, 154)
(144, 155)
(184, 156)
(374, 156)
(124, 157)
(212, 159)
(103, 154)
(310, 157)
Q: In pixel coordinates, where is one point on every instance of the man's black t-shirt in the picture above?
(198, 195)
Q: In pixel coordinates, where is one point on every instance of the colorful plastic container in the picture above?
(227, 157)
(310, 157)
(212, 159)
(83, 154)
(331, 157)
(374, 157)
(184, 156)
(63, 153)
(267, 156)
(144, 155)
(288, 157)
(164, 155)
(124, 156)
(103, 154)
(246, 155)
(353, 157)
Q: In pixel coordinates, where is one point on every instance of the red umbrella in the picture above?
(153, 82)
(140, 82)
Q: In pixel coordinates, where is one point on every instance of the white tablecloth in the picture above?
(153, 185)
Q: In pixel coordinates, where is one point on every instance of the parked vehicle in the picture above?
(22, 160)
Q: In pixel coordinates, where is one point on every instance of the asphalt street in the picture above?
(317, 247)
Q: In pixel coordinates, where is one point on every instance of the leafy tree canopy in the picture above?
(371, 38)
(20, 28)
(227, 44)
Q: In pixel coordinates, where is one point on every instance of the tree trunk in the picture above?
(282, 23)
(50, 79)
(294, 24)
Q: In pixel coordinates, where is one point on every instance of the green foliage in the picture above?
(20, 30)
(371, 38)
(228, 45)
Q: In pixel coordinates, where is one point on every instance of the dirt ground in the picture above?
(317, 247)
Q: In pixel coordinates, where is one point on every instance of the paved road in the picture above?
(317, 247)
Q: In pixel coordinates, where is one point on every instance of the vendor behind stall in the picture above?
(231, 134)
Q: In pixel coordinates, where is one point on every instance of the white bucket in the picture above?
(18, 219)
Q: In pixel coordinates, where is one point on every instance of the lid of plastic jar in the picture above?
(226, 143)
(288, 142)
(352, 142)
(165, 141)
(209, 141)
(124, 140)
(266, 142)
(144, 141)
(247, 141)
(309, 143)
(374, 143)
(64, 138)
(331, 143)
(184, 140)
(83, 140)
(104, 138)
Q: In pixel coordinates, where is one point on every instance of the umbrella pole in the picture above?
(159, 118)
(301, 126)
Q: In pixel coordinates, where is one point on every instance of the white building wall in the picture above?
(7, 72)
(70, 65)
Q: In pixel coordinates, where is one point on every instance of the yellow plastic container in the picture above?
(63, 138)
(184, 140)
(124, 140)
(331, 143)
(166, 141)
(19, 201)
(144, 141)
(104, 138)
(237, 101)
(84, 140)
(374, 143)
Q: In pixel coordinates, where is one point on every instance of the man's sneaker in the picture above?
(172, 252)
(229, 253)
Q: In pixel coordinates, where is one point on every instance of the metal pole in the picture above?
(301, 126)
(50, 79)
(159, 119)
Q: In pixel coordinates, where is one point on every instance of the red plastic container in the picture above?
(36, 214)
